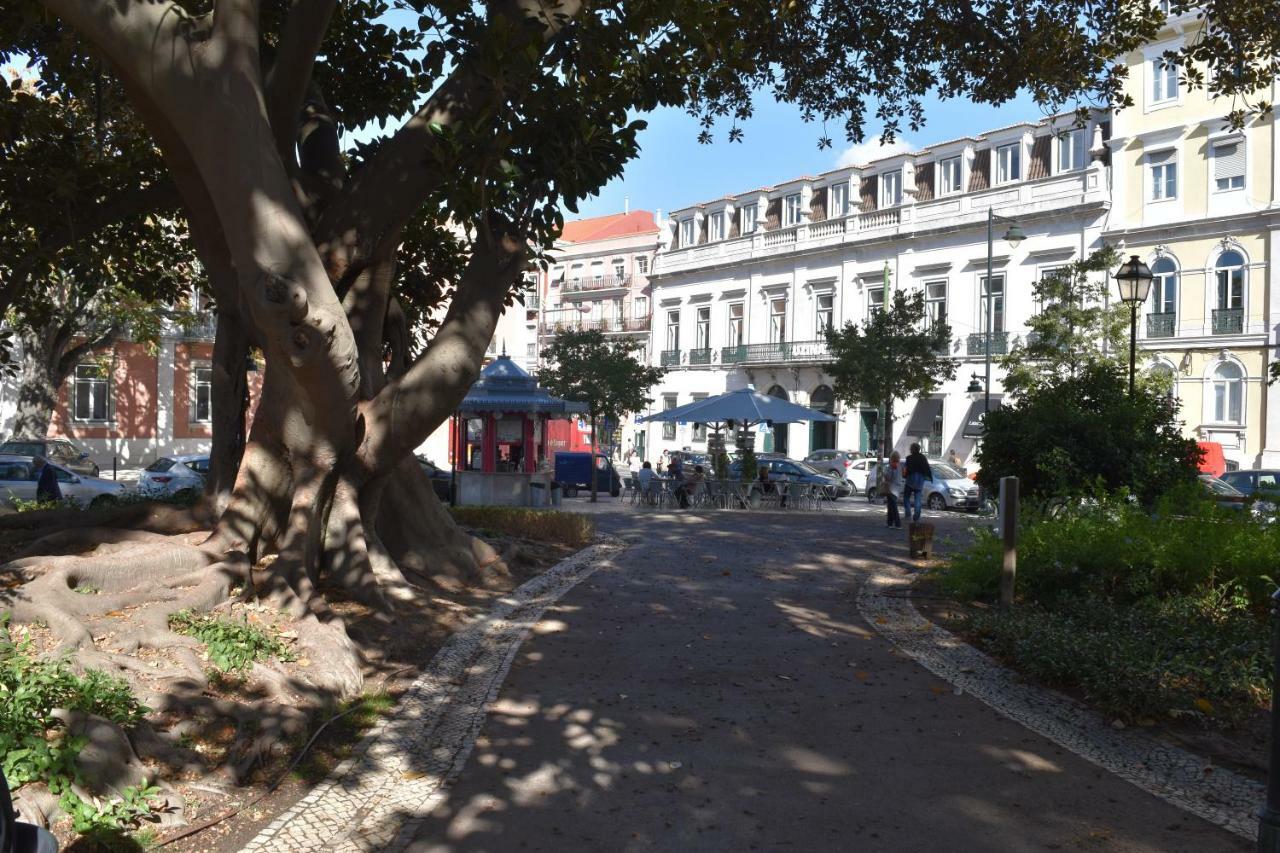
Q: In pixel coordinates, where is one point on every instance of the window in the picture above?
(826, 313)
(642, 264)
(669, 428)
(935, 302)
(640, 306)
(875, 300)
(202, 395)
(949, 176)
(619, 268)
(699, 430)
(531, 350)
(735, 324)
(778, 320)
(686, 232)
(890, 189)
(1230, 273)
(1164, 286)
(1008, 163)
(839, 199)
(717, 226)
(1164, 175)
(747, 219)
(575, 272)
(597, 270)
(792, 210)
(1164, 81)
(934, 446)
(1165, 378)
(995, 294)
(1228, 166)
(91, 393)
(1228, 393)
(1071, 151)
(703, 332)
(1044, 301)
(673, 330)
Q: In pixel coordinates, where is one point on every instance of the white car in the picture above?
(18, 480)
(172, 475)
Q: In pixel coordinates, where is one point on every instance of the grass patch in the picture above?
(358, 715)
(559, 528)
(233, 645)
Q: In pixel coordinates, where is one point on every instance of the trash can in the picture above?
(538, 494)
(555, 493)
(920, 540)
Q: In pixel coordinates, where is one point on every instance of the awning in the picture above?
(927, 411)
(973, 421)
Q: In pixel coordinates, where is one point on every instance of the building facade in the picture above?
(1199, 202)
(750, 281)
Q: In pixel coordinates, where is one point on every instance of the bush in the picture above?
(233, 645)
(560, 528)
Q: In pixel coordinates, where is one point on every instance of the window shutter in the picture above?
(1041, 151)
(867, 189)
(773, 214)
(980, 174)
(1228, 160)
(924, 182)
(1159, 158)
(818, 207)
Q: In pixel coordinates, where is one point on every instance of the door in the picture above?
(822, 435)
(16, 482)
(780, 431)
(868, 434)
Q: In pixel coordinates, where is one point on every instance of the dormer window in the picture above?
(890, 189)
(747, 220)
(1009, 163)
(716, 228)
(839, 197)
(1071, 151)
(686, 232)
(949, 176)
(791, 210)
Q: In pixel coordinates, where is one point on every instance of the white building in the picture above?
(749, 281)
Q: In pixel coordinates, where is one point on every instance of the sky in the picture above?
(673, 170)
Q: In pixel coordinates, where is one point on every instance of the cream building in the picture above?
(1200, 204)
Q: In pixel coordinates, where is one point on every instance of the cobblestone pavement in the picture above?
(715, 687)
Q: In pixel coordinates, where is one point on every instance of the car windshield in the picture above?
(943, 471)
(23, 448)
(161, 464)
(200, 466)
(805, 467)
(1221, 487)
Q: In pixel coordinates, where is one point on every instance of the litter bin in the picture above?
(555, 493)
(538, 494)
(920, 540)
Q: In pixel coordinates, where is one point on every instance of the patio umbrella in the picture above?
(745, 406)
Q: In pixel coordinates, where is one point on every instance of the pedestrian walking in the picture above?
(917, 471)
(891, 484)
(47, 488)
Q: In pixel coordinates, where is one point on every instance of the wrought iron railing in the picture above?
(559, 321)
(700, 356)
(604, 282)
(1161, 325)
(978, 343)
(778, 352)
(670, 357)
(1228, 321)
(733, 355)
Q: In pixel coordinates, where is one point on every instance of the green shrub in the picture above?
(233, 645)
(1203, 657)
(560, 528)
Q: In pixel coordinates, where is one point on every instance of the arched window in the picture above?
(1165, 378)
(822, 436)
(1228, 393)
(1230, 274)
(1164, 286)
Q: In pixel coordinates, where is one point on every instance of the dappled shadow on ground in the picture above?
(717, 690)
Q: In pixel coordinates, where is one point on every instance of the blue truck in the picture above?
(573, 472)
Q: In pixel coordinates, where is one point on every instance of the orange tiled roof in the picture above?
(608, 227)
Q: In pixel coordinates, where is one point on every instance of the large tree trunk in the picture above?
(39, 382)
(230, 404)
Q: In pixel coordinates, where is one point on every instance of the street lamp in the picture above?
(1013, 236)
(1134, 282)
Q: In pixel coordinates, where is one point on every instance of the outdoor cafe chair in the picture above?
(631, 490)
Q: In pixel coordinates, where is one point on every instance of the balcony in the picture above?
(1161, 325)
(201, 330)
(780, 352)
(571, 319)
(700, 356)
(1228, 321)
(733, 355)
(591, 285)
(978, 343)
(531, 302)
(670, 357)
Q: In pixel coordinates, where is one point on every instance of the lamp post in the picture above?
(1134, 282)
(1013, 237)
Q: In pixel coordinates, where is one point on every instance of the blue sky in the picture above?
(673, 170)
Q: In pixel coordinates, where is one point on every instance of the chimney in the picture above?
(626, 205)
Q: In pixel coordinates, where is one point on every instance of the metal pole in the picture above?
(1269, 814)
(986, 401)
(1009, 535)
(1133, 343)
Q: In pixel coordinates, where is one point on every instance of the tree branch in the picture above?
(290, 76)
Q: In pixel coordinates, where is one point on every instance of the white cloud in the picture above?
(865, 152)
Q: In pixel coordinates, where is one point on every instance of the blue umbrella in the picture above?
(745, 406)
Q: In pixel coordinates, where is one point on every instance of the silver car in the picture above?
(18, 481)
(173, 475)
(850, 464)
(950, 488)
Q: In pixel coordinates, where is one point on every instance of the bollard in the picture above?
(114, 461)
(1009, 535)
(1269, 814)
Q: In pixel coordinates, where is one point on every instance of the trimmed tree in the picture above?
(604, 373)
(892, 356)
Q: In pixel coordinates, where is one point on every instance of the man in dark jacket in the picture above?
(918, 471)
(47, 488)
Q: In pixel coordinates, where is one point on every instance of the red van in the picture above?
(1214, 461)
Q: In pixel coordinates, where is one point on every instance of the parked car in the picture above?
(1224, 494)
(794, 471)
(1251, 481)
(60, 450)
(573, 472)
(441, 478)
(174, 475)
(850, 464)
(950, 488)
(18, 480)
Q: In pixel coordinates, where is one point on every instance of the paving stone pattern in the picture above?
(1175, 775)
(398, 772)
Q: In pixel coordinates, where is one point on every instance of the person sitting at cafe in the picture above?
(770, 487)
(675, 471)
(696, 482)
(647, 480)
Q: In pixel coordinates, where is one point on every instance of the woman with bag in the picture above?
(891, 483)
